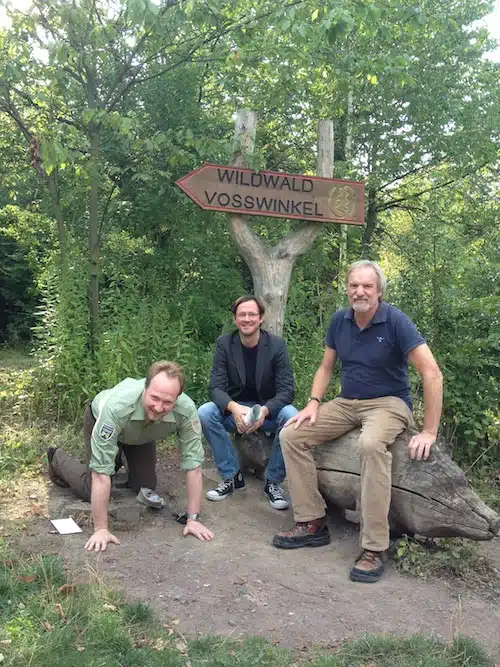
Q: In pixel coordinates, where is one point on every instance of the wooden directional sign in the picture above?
(237, 190)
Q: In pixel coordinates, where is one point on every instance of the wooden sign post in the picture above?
(241, 192)
(238, 190)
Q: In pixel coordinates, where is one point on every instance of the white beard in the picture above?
(361, 306)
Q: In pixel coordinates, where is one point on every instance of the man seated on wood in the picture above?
(128, 419)
(250, 368)
(374, 342)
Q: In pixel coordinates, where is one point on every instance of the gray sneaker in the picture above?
(150, 498)
(276, 496)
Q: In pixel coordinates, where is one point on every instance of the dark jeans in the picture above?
(141, 463)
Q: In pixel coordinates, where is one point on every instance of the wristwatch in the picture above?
(313, 398)
(192, 516)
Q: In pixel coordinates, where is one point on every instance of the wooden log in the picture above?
(430, 498)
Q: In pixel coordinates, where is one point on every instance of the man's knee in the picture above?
(285, 414)
(371, 446)
(290, 438)
(209, 412)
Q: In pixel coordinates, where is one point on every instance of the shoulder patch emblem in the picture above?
(196, 425)
(106, 431)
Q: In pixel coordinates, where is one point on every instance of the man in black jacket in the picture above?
(250, 368)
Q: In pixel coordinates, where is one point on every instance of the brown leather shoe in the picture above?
(313, 533)
(369, 566)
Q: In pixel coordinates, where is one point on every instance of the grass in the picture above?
(415, 651)
(48, 621)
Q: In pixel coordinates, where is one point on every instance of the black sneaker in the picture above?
(276, 496)
(53, 476)
(239, 481)
(226, 487)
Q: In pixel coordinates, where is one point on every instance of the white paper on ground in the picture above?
(65, 526)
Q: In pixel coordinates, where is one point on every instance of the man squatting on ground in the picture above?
(250, 367)
(129, 418)
(374, 342)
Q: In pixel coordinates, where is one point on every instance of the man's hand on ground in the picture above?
(197, 529)
(100, 540)
(309, 413)
(420, 445)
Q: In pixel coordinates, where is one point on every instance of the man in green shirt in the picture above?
(129, 418)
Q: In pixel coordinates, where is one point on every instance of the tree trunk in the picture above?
(371, 225)
(271, 268)
(343, 228)
(61, 229)
(93, 242)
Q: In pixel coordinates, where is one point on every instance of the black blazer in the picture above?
(273, 374)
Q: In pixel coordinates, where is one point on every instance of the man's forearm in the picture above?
(194, 482)
(321, 382)
(433, 401)
(101, 489)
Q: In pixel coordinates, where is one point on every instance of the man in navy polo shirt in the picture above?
(374, 342)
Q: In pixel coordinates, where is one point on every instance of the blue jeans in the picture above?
(216, 428)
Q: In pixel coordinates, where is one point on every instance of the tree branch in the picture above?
(418, 169)
(135, 80)
(396, 202)
(128, 64)
(103, 217)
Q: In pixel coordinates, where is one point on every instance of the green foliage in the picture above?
(443, 271)
(24, 241)
(137, 328)
(64, 370)
(453, 558)
(16, 291)
(485, 479)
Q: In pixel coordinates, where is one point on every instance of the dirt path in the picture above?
(240, 584)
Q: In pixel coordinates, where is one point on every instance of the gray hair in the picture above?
(382, 280)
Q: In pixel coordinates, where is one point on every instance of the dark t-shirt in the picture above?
(249, 394)
(374, 360)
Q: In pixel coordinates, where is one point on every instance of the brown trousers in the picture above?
(381, 421)
(141, 463)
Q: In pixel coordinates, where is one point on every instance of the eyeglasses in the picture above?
(250, 316)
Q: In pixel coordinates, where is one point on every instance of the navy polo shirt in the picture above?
(374, 360)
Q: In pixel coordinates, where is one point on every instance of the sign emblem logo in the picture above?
(341, 201)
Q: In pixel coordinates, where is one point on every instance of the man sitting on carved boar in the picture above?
(374, 342)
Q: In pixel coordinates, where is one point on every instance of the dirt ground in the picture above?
(240, 584)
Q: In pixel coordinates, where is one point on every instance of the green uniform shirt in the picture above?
(120, 418)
